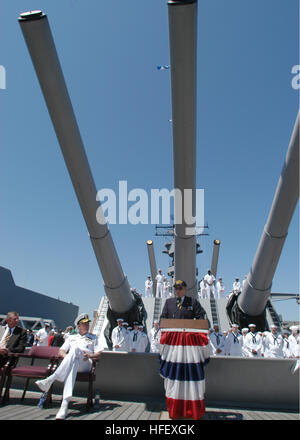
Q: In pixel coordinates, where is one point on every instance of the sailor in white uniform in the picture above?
(42, 335)
(294, 340)
(217, 342)
(166, 288)
(159, 284)
(210, 280)
(78, 352)
(148, 288)
(203, 292)
(154, 337)
(236, 287)
(234, 342)
(220, 288)
(253, 342)
(144, 339)
(136, 342)
(119, 337)
(287, 353)
(127, 337)
(273, 344)
(244, 350)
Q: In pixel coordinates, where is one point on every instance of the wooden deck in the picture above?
(117, 410)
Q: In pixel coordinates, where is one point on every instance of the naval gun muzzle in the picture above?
(40, 43)
(183, 62)
(250, 305)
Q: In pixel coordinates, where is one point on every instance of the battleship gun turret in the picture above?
(250, 305)
(183, 61)
(215, 258)
(39, 40)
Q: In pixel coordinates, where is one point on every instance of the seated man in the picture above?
(13, 339)
(77, 352)
(182, 306)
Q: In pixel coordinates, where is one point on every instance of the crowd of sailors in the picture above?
(246, 342)
(208, 287)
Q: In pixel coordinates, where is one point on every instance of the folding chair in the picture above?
(33, 371)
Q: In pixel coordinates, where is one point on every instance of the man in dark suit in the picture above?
(58, 339)
(13, 339)
(182, 306)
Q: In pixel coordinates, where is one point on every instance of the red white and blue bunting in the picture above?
(183, 355)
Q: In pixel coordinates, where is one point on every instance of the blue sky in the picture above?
(109, 52)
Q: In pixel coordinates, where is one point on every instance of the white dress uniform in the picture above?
(287, 353)
(143, 342)
(203, 291)
(74, 363)
(44, 336)
(148, 288)
(209, 281)
(236, 287)
(136, 341)
(120, 337)
(154, 338)
(294, 345)
(159, 285)
(216, 341)
(273, 346)
(234, 344)
(166, 289)
(253, 341)
(220, 289)
(245, 352)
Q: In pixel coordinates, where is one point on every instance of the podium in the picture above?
(184, 352)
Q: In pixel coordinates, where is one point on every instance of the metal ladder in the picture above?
(102, 311)
(274, 315)
(214, 310)
(157, 309)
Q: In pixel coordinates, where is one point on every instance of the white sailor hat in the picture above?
(273, 326)
(119, 319)
(252, 325)
(141, 326)
(82, 319)
(135, 323)
(124, 323)
(129, 328)
(293, 327)
(245, 329)
(156, 321)
(234, 325)
(286, 331)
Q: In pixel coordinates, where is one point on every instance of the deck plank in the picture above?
(118, 410)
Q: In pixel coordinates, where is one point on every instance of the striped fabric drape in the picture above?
(183, 355)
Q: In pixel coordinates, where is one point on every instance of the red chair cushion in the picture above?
(30, 371)
(43, 352)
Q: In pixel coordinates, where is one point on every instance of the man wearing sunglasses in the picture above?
(182, 306)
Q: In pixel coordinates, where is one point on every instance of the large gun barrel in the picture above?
(39, 40)
(183, 45)
(256, 290)
(152, 263)
(215, 257)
